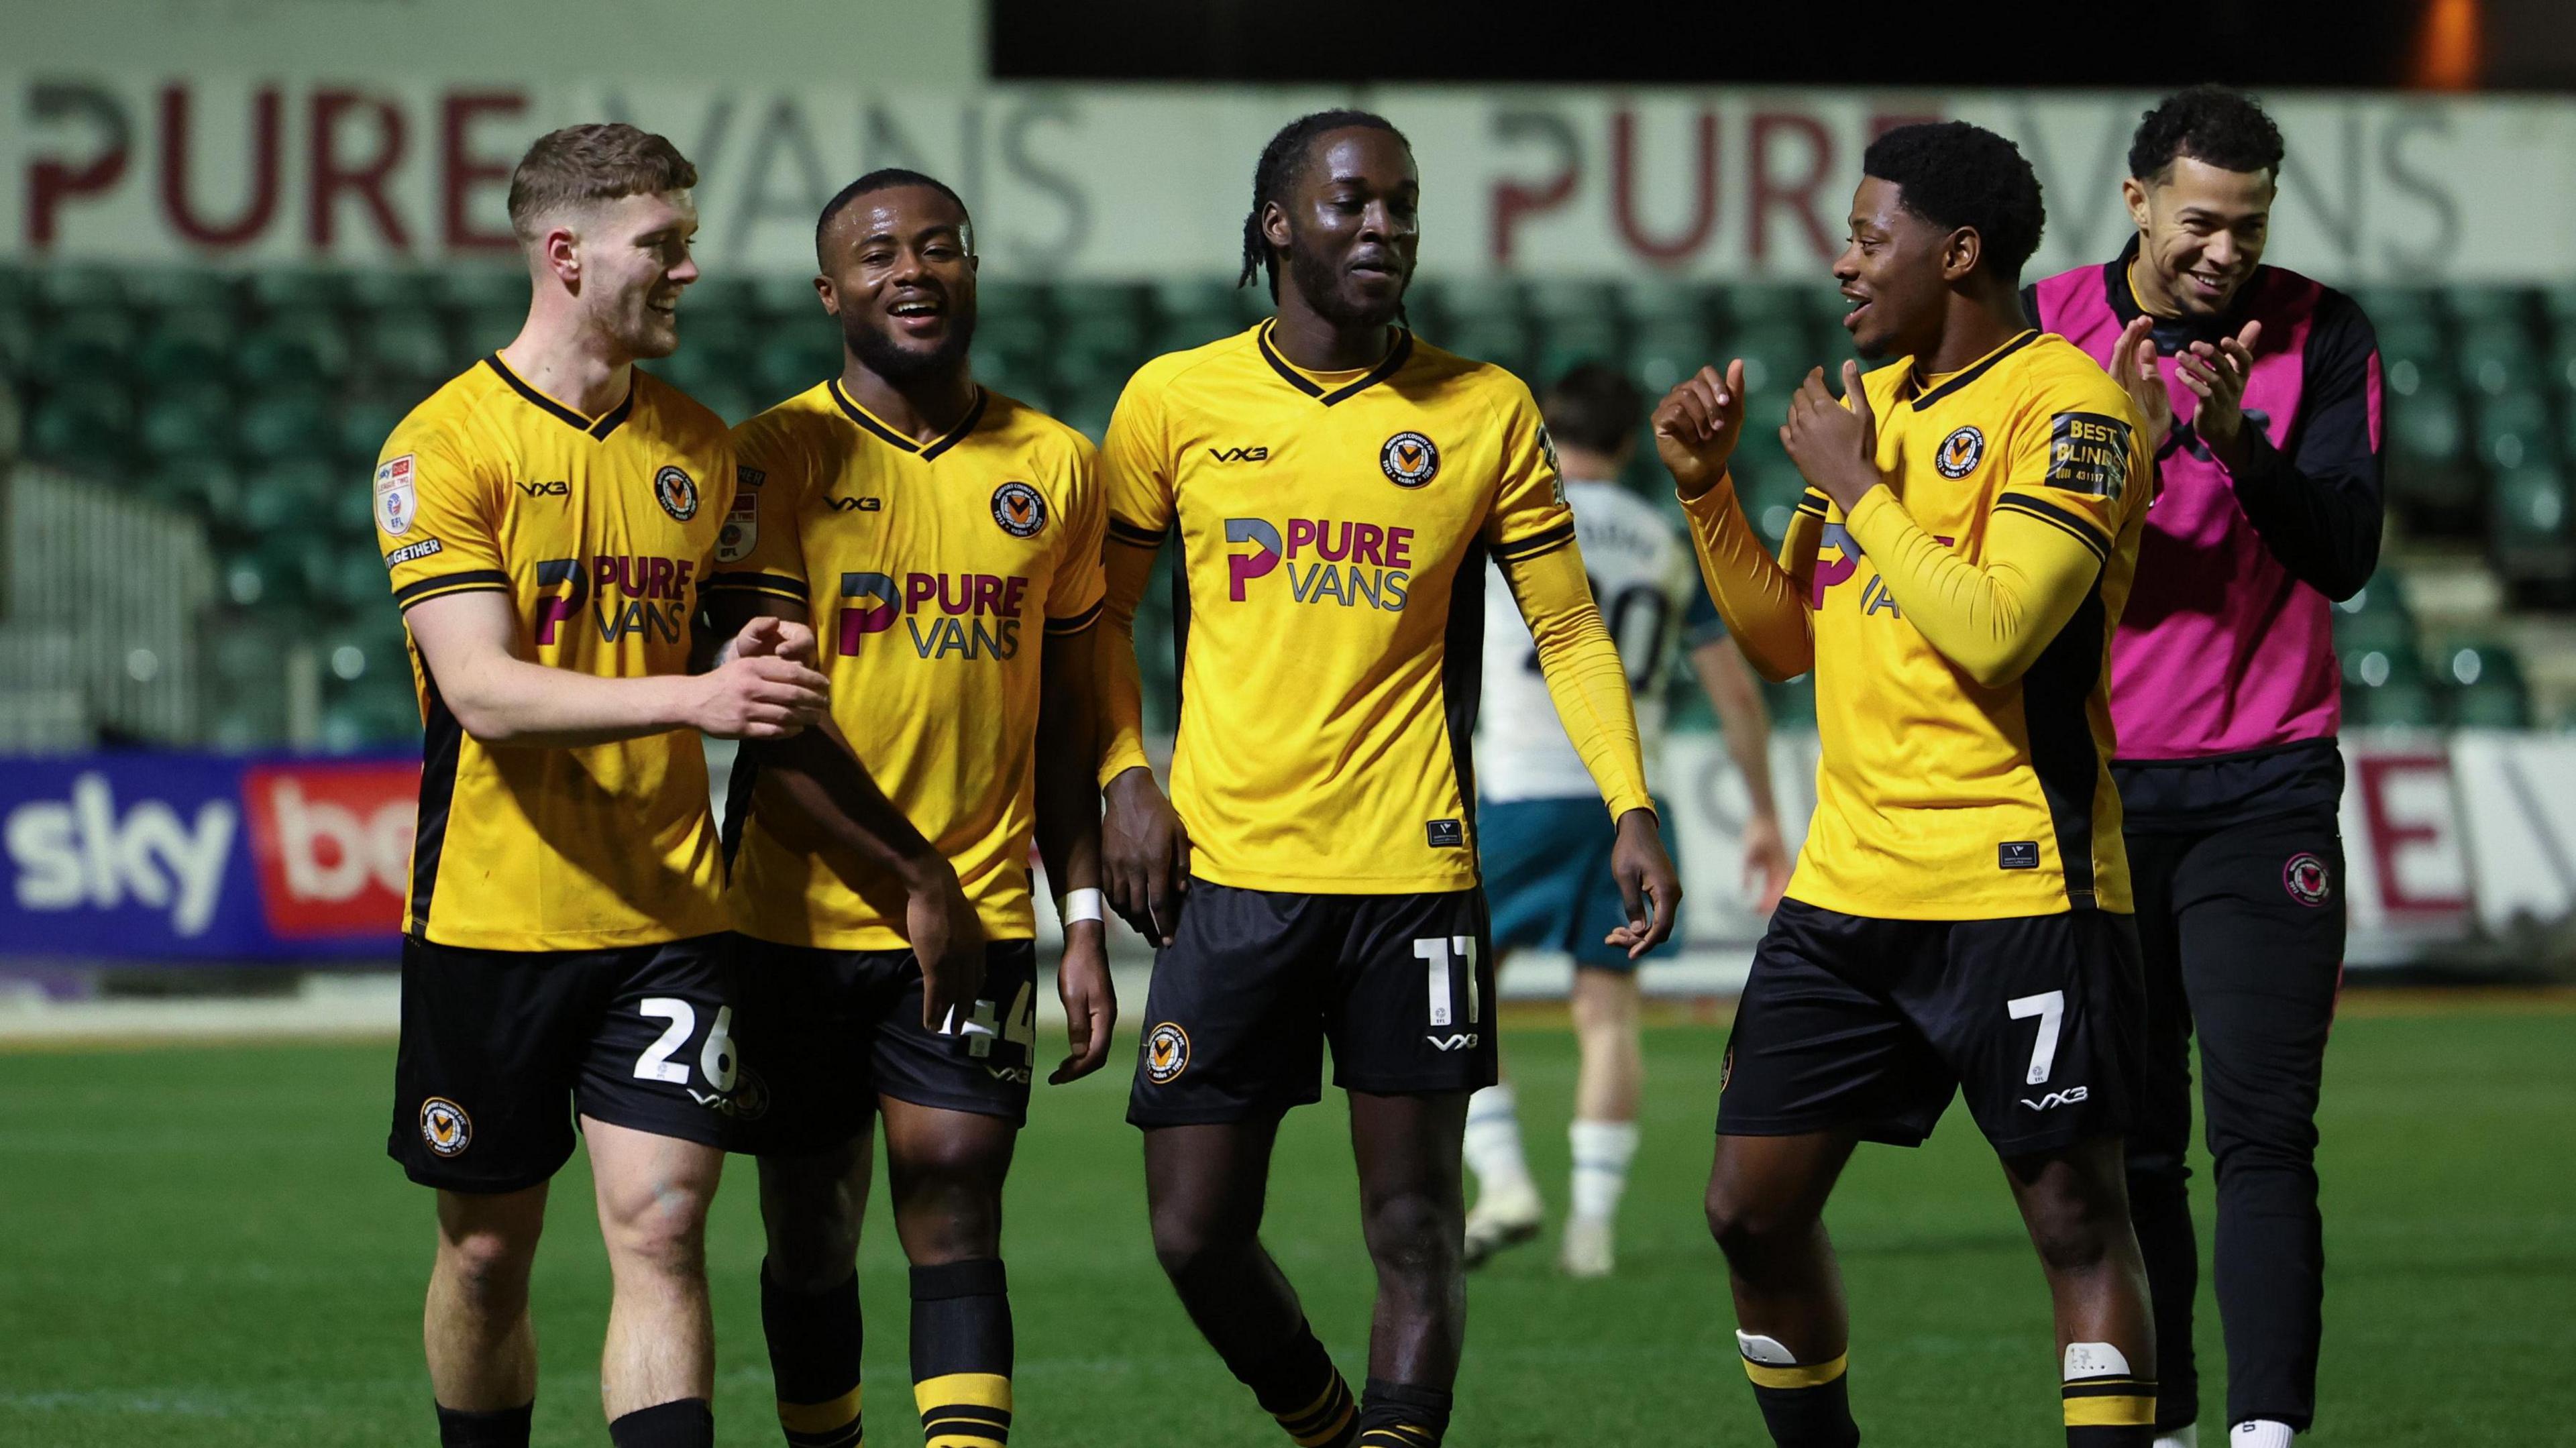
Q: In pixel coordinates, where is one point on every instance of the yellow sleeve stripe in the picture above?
(817, 1418)
(2111, 1411)
(1803, 1375)
(754, 582)
(1078, 622)
(1546, 541)
(481, 580)
(2073, 524)
(1134, 536)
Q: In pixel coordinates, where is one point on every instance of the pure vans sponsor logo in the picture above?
(626, 595)
(83, 852)
(1328, 561)
(944, 615)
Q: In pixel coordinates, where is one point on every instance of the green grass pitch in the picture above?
(207, 1246)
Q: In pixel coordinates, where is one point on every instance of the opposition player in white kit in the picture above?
(1544, 845)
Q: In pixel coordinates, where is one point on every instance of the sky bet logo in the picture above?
(635, 595)
(1344, 563)
(967, 615)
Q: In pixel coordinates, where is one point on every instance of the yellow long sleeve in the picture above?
(1992, 620)
(1128, 569)
(1762, 599)
(1584, 676)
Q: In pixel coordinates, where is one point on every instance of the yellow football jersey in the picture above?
(929, 571)
(1938, 797)
(1333, 533)
(601, 531)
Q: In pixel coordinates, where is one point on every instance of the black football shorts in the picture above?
(1256, 981)
(502, 1048)
(826, 1032)
(1869, 1025)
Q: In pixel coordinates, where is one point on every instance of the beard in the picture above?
(1319, 280)
(898, 364)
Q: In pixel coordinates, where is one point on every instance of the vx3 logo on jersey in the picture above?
(1349, 563)
(1873, 594)
(855, 505)
(1240, 454)
(555, 489)
(1464, 1042)
(977, 613)
(2055, 1099)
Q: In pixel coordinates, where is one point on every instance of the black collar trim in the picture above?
(598, 427)
(1387, 367)
(867, 421)
(1977, 371)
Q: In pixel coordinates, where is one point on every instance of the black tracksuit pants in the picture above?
(2242, 929)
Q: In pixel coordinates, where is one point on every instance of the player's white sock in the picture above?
(2186, 1436)
(1602, 1151)
(2259, 1433)
(1493, 1144)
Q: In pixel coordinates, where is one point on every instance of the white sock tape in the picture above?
(1770, 1352)
(2094, 1360)
(1076, 906)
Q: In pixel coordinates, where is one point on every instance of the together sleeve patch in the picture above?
(2088, 452)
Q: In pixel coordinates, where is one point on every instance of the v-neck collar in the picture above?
(1974, 370)
(870, 422)
(1387, 367)
(598, 427)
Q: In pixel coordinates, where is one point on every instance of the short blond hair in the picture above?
(602, 161)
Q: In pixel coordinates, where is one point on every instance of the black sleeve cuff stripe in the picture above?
(1558, 545)
(2064, 522)
(1126, 532)
(1535, 544)
(481, 578)
(777, 583)
(2046, 509)
(1077, 623)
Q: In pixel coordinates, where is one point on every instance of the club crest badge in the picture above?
(1409, 459)
(1167, 1053)
(1960, 452)
(445, 1126)
(397, 502)
(1019, 509)
(676, 493)
(2305, 877)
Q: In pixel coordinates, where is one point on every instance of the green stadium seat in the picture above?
(730, 296)
(1014, 339)
(732, 401)
(1661, 300)
(2487, 688)
(199, 483)
(2428, 454)
(789, 363)
(291, 423)
(17, 288)
(2413, 357)
(2476, 306)
(2513, 428)
(1501, 338)
(1575, 301)
(1569, 340)
(408, 343)
(694, 369)
(2389, 687)
(187, 419)
(292, 497)
(484, 331)
(273, 288)
(1467, 301)
(785, 296)
(67, 288)
(732, 331)
(2531, 526)
(2398, 306)
(2374, 618)
(17, 341)
(363, 428)
(2497, 357)
(470, 287)
(1755, 305)
(1775, 357)
(85, 426)
(379, 289)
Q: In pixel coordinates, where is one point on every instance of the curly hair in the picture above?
(1281, 162)
(1953, 174)
(2209, 123)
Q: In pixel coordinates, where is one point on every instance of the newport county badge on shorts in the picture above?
(1167, 1053)
(741, 529)
(397, 503)
(2305, 877)
(445, 1127)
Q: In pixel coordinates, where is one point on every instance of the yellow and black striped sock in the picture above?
(814, 1361)
(1805, 1405)
(2107, 1406)
(1400, 1415)
(961, 1354)
(1299, 1386)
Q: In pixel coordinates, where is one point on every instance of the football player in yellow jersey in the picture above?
(1959, 919)
(548, 517)
(1335, 487)
(948, 540)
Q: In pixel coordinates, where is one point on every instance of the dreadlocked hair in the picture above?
(1277, 170)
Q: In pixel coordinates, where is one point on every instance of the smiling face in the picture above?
(2200, 234)
(899, 273)
(1350, 225)
(1895, 270)
(633, 256)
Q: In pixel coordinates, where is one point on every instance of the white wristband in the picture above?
(1076, 906)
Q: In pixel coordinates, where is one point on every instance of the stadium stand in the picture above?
(254, 404)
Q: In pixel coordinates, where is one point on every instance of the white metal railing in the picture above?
(102, 600)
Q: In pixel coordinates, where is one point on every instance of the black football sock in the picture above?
(1805, 1405)
(961, 1354)
(507, 1428)
(687, 1423)
(1400, 1415)
(814, 1340)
